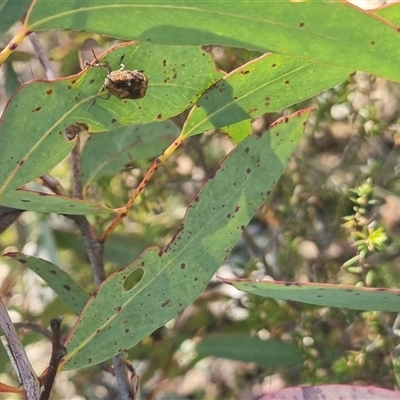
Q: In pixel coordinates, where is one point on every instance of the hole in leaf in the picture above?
(133, 279)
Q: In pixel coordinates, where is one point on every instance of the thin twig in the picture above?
(33, 327)
(58, 352)
(41, 54)
(77, 190)
(94, 247)
(54, 185)
(123, 211)
(23, 367)
(122, 378)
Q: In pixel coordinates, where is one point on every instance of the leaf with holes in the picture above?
(178, 75)
(166, 281)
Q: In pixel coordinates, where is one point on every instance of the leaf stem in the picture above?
(123, 211)
(13, 44)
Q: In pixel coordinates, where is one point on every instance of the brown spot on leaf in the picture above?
(166, 302)
(49, 92)
(67, 287)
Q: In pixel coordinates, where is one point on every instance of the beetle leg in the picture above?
(108, 95)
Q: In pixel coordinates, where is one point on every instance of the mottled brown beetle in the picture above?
(121, 83)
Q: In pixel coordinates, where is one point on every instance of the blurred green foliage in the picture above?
(331, 218)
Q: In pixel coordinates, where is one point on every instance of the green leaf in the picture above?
(391, 13)
(49, 203)
(238, 131)
(177, 77)
(117, 317)
(267, 84)
(267, 353)
(331, 32)
(322, 294)
(11, 79)
(108, 154)
(12, 11)
(73, 295)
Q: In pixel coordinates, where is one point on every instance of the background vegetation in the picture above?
(329, 225)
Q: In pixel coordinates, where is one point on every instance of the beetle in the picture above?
(122, 83)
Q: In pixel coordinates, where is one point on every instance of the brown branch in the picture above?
(33, 327)
(94, 247)
(8, 216)
(122, 378)
(54, 185)
(77, 189)
(58, 352)
(22, 366)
